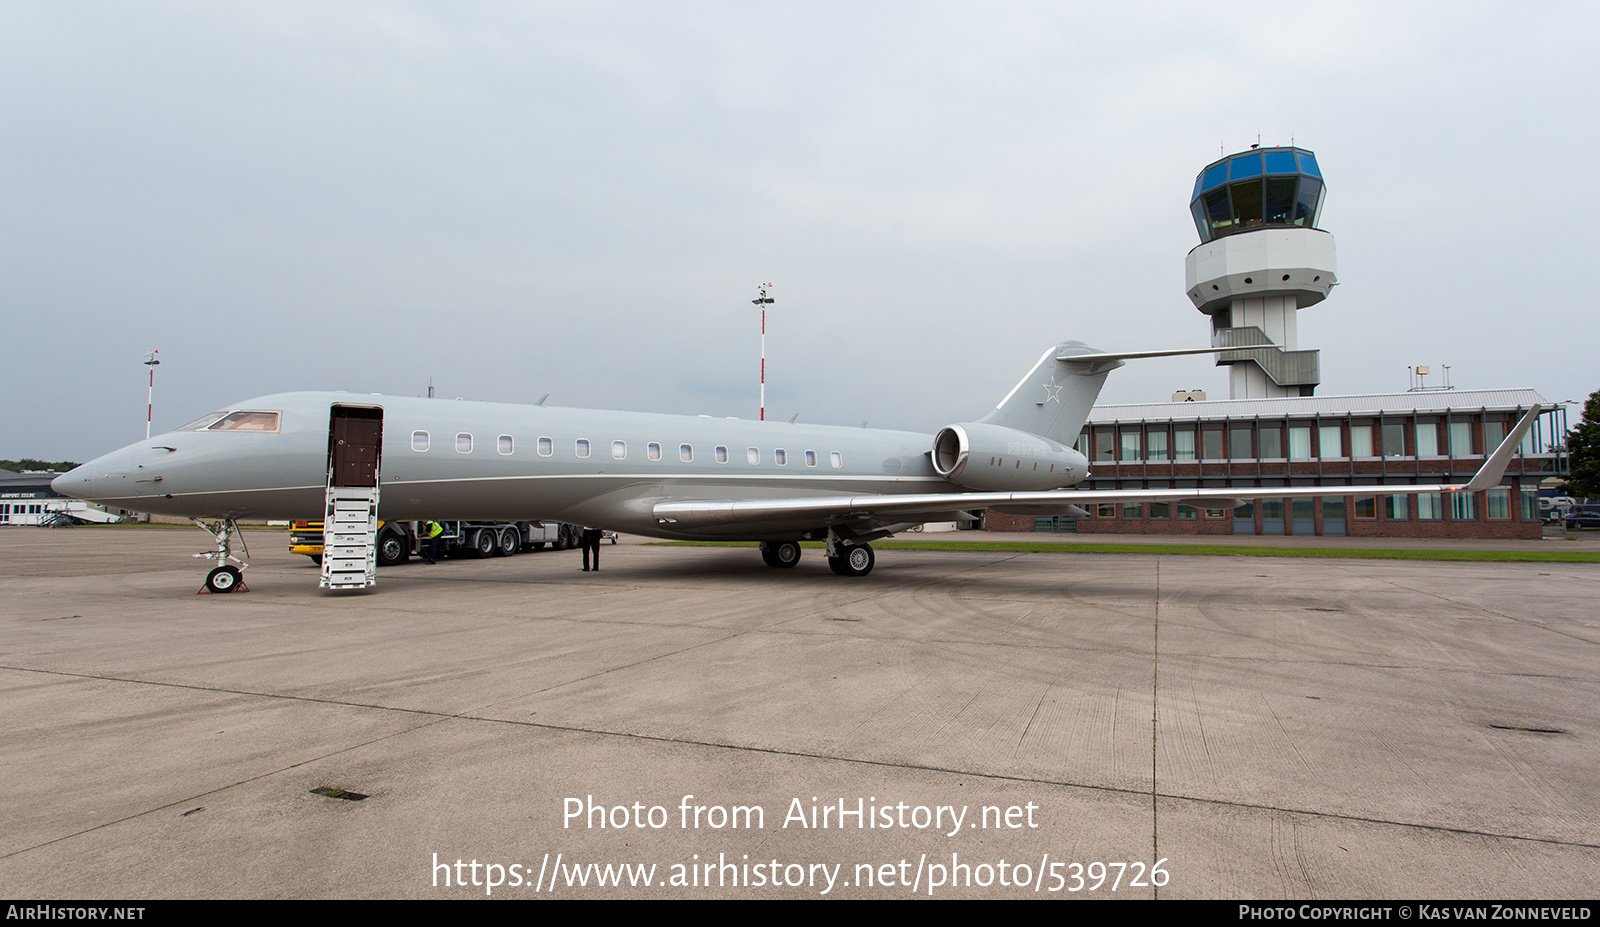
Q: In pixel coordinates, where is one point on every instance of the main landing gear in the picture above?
(855, 560)
(782, 554)
(225, 577)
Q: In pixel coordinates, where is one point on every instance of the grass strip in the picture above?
(1208, 550)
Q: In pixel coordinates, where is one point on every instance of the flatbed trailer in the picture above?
(398, 541)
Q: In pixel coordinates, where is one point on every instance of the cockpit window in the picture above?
(200, 423)
(246, 421)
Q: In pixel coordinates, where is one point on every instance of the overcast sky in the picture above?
(580, 198)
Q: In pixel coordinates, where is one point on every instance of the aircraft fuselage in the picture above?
(445, 459)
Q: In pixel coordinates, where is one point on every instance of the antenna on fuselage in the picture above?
(430, 387)
(542, 399)
(793, 418)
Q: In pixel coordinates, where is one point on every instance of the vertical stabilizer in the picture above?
(1054, 398)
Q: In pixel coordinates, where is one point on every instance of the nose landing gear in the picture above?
(224, 577)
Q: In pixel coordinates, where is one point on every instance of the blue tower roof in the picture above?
(1259, 188)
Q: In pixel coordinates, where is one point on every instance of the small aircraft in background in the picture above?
(288, 455)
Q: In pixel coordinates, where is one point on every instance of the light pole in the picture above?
(763, 300)
(150, 396)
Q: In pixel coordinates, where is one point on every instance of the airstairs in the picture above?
(349, 537)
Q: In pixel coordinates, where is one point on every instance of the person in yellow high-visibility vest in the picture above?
(431, 530)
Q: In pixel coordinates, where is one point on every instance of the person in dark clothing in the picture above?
(591, 542)
(431, 531)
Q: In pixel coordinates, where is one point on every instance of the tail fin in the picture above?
(1054, 398)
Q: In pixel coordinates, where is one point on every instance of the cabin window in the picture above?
(201, 423)
(835, 459)
(722, 454)
(653, 451)
(686, 452)
(581, 447)
(811, 458)
(246, 421)
(504, 444)
(780, 457)
(619, 450)
(463, 443)
(419, 440)
(546, 447)
(752, 456)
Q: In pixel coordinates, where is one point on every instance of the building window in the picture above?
(1270, 438)
(1155, 445)
(1394, 439)
(686, 453)
(1330, 442)
(1497, 502)
(419, 440)
(653, 450)
(581, 447)
(1133, 510)
(1460, 439)
(1430, 506)
(1530, 504)
(1212, 443)
(619, 450)
(1300, 442)
(463, 443)
(1366, 507)
(1106, 510)
(1183, 444)
(1239, 443)
(1130, 444)
(1463, 506)
(722, 453)
(546, 446)
(1361, 441)
(752, 456)
(1105, 447)
(1399, 508)
(1427, 439)
(1493, 434)
(504, 444)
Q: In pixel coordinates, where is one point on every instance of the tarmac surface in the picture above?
(1265, 728)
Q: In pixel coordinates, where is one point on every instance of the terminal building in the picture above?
(1260, 260)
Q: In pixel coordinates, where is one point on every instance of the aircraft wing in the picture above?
(885, 509)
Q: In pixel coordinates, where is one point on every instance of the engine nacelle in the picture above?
(992, 458)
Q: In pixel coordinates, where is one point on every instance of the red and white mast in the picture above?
(150, 395)
(763, 300)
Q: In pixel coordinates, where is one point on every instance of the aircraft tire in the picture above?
(223, 579)
(781, 554)
(508, 543)
(857, 561)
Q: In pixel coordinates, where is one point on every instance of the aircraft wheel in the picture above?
(223, 579)
(509, 542)
(782, 554)
(392, 549)
(857, 561)
(484, 543)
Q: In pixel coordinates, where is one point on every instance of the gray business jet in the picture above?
(668, 476)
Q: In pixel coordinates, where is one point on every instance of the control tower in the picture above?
(1261, 259)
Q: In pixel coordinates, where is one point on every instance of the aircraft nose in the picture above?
(102, 478)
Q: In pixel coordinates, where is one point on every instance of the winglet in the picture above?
(1489, 474)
